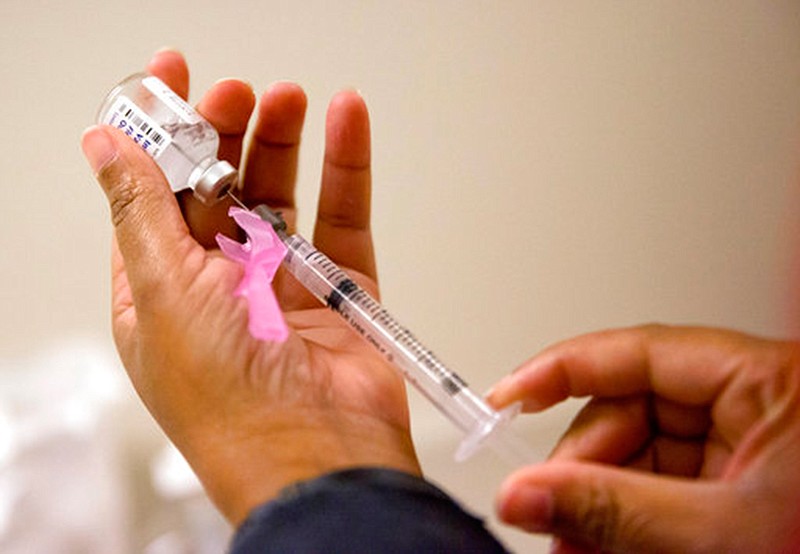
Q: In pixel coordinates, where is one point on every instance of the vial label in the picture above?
(127, 116)
(175, 102)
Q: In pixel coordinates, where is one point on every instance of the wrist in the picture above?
(242, 467)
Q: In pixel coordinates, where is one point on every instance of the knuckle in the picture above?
(601, 517)
(121, 202)
(595, 519)
(123, 190)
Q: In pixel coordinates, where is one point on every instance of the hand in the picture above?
(690, 443)
(249, 416)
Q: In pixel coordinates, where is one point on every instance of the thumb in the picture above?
(152, 235)
(613, 509)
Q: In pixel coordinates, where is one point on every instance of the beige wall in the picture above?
(541, 168)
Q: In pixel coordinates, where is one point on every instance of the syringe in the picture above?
(482, 424)
(158, 119)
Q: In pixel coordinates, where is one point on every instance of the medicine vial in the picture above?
(183, 144)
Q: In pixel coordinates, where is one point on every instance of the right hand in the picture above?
(690, 443)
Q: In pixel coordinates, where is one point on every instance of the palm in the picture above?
(323, 363)
(324, 358)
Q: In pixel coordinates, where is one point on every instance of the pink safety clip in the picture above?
(260, 255)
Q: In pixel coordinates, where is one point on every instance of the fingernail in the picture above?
(98, 147)
(235, 80)
(498, 387)
(530, 508)
(168, 49)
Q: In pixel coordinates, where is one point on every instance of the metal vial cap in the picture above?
(214, 181)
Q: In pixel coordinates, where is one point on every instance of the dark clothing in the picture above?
(367, 510)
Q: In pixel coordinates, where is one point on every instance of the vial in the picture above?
(183, 144)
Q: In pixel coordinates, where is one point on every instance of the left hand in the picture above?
(250, 417)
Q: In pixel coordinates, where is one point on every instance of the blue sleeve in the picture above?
(363, 510)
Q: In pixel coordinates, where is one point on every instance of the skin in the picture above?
(690, 442)
(251, 417)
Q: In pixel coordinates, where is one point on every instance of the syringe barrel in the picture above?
(420, 367)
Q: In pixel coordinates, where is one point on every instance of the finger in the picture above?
(342, 230)
(271, 168)
(686, 365)
(150, 230)
(606, 431)
(227, 106)
(617, 510)
(170, 66)
(627, 432)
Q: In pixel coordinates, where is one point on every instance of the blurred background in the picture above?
(541, 169)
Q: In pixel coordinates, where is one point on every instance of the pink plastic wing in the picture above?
(261, 255)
